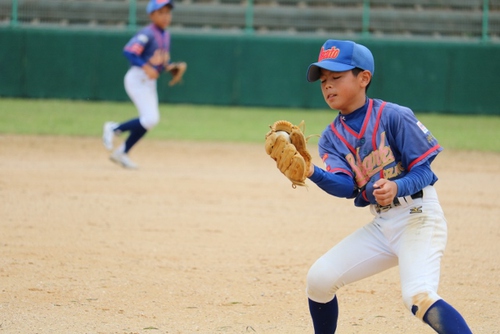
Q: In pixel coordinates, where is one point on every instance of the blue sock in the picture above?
(137, 131)
(133, 138)
(131, 125)
(324, 316)
(444, 319)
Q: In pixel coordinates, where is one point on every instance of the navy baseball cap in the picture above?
(157, 4)
(340, 56)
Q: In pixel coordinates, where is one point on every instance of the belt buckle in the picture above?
(383, 208)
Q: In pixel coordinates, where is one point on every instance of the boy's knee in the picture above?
(419, 303)
(150, 122)
(321, 283)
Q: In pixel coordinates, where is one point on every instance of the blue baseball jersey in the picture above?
(390, 142)
(143, 45)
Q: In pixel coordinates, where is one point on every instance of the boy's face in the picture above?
(162, 17)
(343, 91)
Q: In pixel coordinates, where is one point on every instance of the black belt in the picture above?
(382, 208)
(418, 194)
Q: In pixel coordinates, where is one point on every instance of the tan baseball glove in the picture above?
(287, 145)
(177, 71)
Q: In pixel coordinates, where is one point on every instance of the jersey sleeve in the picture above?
(134, 59)
(418, 178)
(337, 177)
(414, 143)
(333, 161)
(134, 49)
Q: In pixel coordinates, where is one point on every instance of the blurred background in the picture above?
(432, 55)
(463, 19)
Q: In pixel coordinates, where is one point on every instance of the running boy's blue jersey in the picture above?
(390, 142)
(145, 42)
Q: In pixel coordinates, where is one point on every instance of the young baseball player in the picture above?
(380, 155)
(149, 55)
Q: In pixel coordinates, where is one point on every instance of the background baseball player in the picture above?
(380, 155)
(149, 55)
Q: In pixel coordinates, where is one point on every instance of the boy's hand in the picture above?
(177, 71)
(385, 191)
(151, 72)
(289, 150)
(160, 57)
(311, 170)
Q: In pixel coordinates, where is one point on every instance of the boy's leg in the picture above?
(143, 93)
(444, 319)
(420, 248)
(324, 316)
(368, 254)
(133, 138)
(137, 131)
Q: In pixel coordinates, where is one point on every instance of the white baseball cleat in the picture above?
(108, 134)
(122, 159)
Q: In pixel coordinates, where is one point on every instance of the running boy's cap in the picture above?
(157, 4)
(340, 56)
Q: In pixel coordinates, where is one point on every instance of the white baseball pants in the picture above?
(411, 236)
(143, 92)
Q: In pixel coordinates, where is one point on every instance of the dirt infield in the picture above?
(210, 238)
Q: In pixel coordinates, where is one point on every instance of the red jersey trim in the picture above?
(423, 156)
(363, 129)
(342, 170)
(363, 193)
(330, 170)
(365, 122)
(367, 118)
(375, 132)
(135, 48)
(377, 123)
(339, 136)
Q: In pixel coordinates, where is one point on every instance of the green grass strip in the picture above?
(218, 123)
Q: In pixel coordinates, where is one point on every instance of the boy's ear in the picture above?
(365, 78)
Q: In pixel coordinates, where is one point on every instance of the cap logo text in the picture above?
(331, 53)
